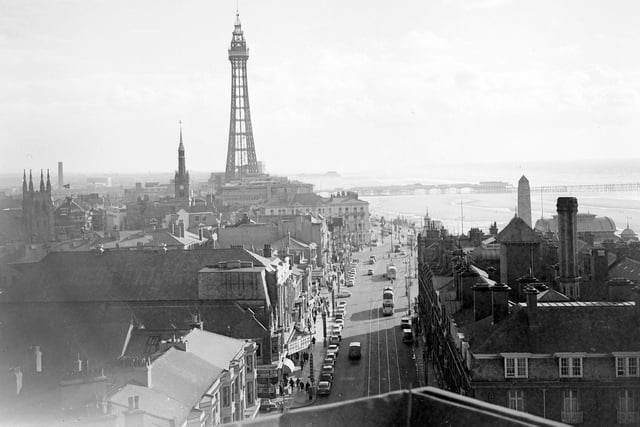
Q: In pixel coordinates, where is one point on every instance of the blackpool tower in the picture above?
(241, 153)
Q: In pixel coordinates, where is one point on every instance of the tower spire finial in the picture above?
(24, 180)
(41, 180)
(30, 181)
(48, 181)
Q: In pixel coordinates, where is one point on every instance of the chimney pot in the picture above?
(532, 300)
(481, 301)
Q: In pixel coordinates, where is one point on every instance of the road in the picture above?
(387, 363)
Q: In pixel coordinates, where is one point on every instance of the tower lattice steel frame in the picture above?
(241, 152)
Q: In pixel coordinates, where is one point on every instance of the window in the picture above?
(515, 367)
(516, 400)
(571, 411)
(249, 363)
(627, 366)
(226, 397)
(250, 393)
(570, 367)
(626, 408)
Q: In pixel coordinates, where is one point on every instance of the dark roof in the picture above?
(119, 275)
(585, 327)
(517, 231)
(627, 268)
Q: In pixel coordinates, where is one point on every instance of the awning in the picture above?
(288, 367)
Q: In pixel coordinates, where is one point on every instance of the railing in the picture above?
(571, 417)
(627, 417)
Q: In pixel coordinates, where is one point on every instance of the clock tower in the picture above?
(182, 176)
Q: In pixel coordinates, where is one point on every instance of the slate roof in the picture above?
(627, 268)
(517, 231)
(562, 327)
(180, 378)
(120, 275)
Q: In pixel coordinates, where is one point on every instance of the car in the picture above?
(343, 294)
(325, 376)
(341, 304)
(327, 369)
(339, 322)
(330, 359)
(339, 316)
(349, 284)
(355, 350)
(370, 272)
(324, 387)
(333, 348)
(372, 258)
(334, 339)
(388, 288)
(337, 331)
(342, 310)
(405, 323)
(407, 335)
(268, 405)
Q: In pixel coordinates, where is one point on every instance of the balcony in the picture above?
(571, 417)
(627, 417)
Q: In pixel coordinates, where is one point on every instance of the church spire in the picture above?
(30, 181)
(24, 181)
(48, 182)
(181, 146)
(41, 180)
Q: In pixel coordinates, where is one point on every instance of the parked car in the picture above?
(349, 284)
(325, 376)
(343, 294)
(370, 272)
(334, 339)
(405, 323)
(341, 304)
(333, 348)
(336, 330)
(407, 335)
(329, 360)
(268, 405)
(339, 322)
(328, 369)
(339, 316)
(324, 387)
(355, 350)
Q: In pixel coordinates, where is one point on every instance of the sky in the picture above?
(355, 87)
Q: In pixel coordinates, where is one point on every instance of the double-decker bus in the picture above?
(387, 301)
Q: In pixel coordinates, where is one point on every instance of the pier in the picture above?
(488, 187)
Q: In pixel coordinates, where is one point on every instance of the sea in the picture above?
(461, 211)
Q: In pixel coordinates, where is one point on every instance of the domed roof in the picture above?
(628, 233)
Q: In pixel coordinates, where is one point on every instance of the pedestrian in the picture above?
(281, 389)
(302, 364)
(307, 386)
(297, 381)
(301, 386)
(313, 341)
(291, 382)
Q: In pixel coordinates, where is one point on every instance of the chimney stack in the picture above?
(266, 252)
(567, 208)
(500, 301)
(481, 301)
(181, 228)
(620, 289)
(469, 278)
(532, 301)
(599, 265)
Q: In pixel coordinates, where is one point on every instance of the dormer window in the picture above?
(570, 365)
(516, 365)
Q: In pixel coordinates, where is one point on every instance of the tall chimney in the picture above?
(181, 227)
(60, 177)
(266, 252)
(500, 300)
(532, 301)
(469, 278)
(481, 301)
(568, 234)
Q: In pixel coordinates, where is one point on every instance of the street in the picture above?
(387, 363)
